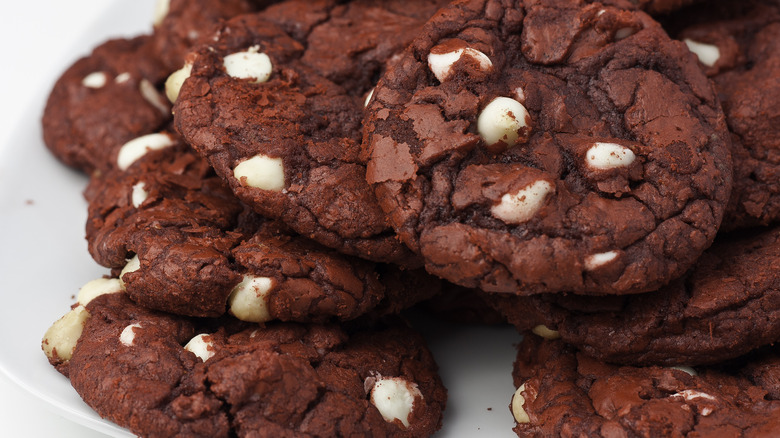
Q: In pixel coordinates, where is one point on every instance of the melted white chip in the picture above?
(63, 335)
(394, 398)
(175, 81)
(122, 78)
(706, 411)
(708, 54)
(134, 149)
(150, 93)
(139, 194)
(518, 403)
(127, 337)
(609, 156)
(368, 98)
(98, 287)
(97, 79)
(546, 333)
(249, 65)
(624, 33)
(502, 120)
(441, 63)
(685, 369)
(248, 302)
(161, 9)
(692, 394)
(261, 172)
(595, 261)
(202, 346)
(132, 265)
(521, 206)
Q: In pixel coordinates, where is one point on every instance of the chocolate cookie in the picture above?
(739, 47)
(105, 100)
(275, 103)
(164, 375)
(726, 306)
(561, 392)
(546, 146)
(180, 241)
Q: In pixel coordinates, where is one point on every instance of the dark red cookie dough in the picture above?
(620, 172)
(104, 100)
(728, 305)
(566, 394)
(195, 249)
(305, 121)
(136, 367)
(739, 45)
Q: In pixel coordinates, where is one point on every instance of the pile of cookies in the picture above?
(272, 183)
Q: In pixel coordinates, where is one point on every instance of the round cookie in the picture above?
(163, 375)
(738, 48)
(530, 147)
(104, 100)
(726, 306)
(561, 392)
(286, 137)
(181, 242)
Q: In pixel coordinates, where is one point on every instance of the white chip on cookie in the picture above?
(97, 79)
(503, 120)
(394, 398)
(127, 337)
(250, 64)
(708, 54)
(132, 265)
(161, 9)
(139, 194)
(98, 287)
(518, 406)
(595, 261)
(61, 338)
(175, 81)
(202, 346)
(521, 206)
(248, 300)
(603, 156)
(545, 332)
(261, 172)
(121, 78)
(441, 63)
(150, 93)
(134, 149)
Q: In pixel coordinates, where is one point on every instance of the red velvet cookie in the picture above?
(546, 146)
(161, 375)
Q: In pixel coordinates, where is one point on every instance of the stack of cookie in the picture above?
(273, 182)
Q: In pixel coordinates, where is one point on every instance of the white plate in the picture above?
(44, 261)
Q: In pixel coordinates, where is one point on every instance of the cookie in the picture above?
(530, 147)
(561, 392)
(286, 137)
(163, 375)
(181, 242)
(105, 100)
(728, 305)
(738, 47)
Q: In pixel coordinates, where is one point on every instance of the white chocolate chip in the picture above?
(691, 394)
(261, 172)
(546, 333)
(685, 369)
(441, 63)
(249, 65)
(521, 206)
(127, 337)
(248, 302)
(595, 261)
(98, 287)
(708, 54)
(368, 98)
(161, 9)
(609, 156)
(706, 411)
(518, 403)
(97, 79)
(502, 120)
(394, 398)
(132, 265)
(137, 148)
(175, 81)
(122, 78)
(519, 94)
(139, 194)
(63, 335)
(624, 33)
(202, 346)
(150, 93)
